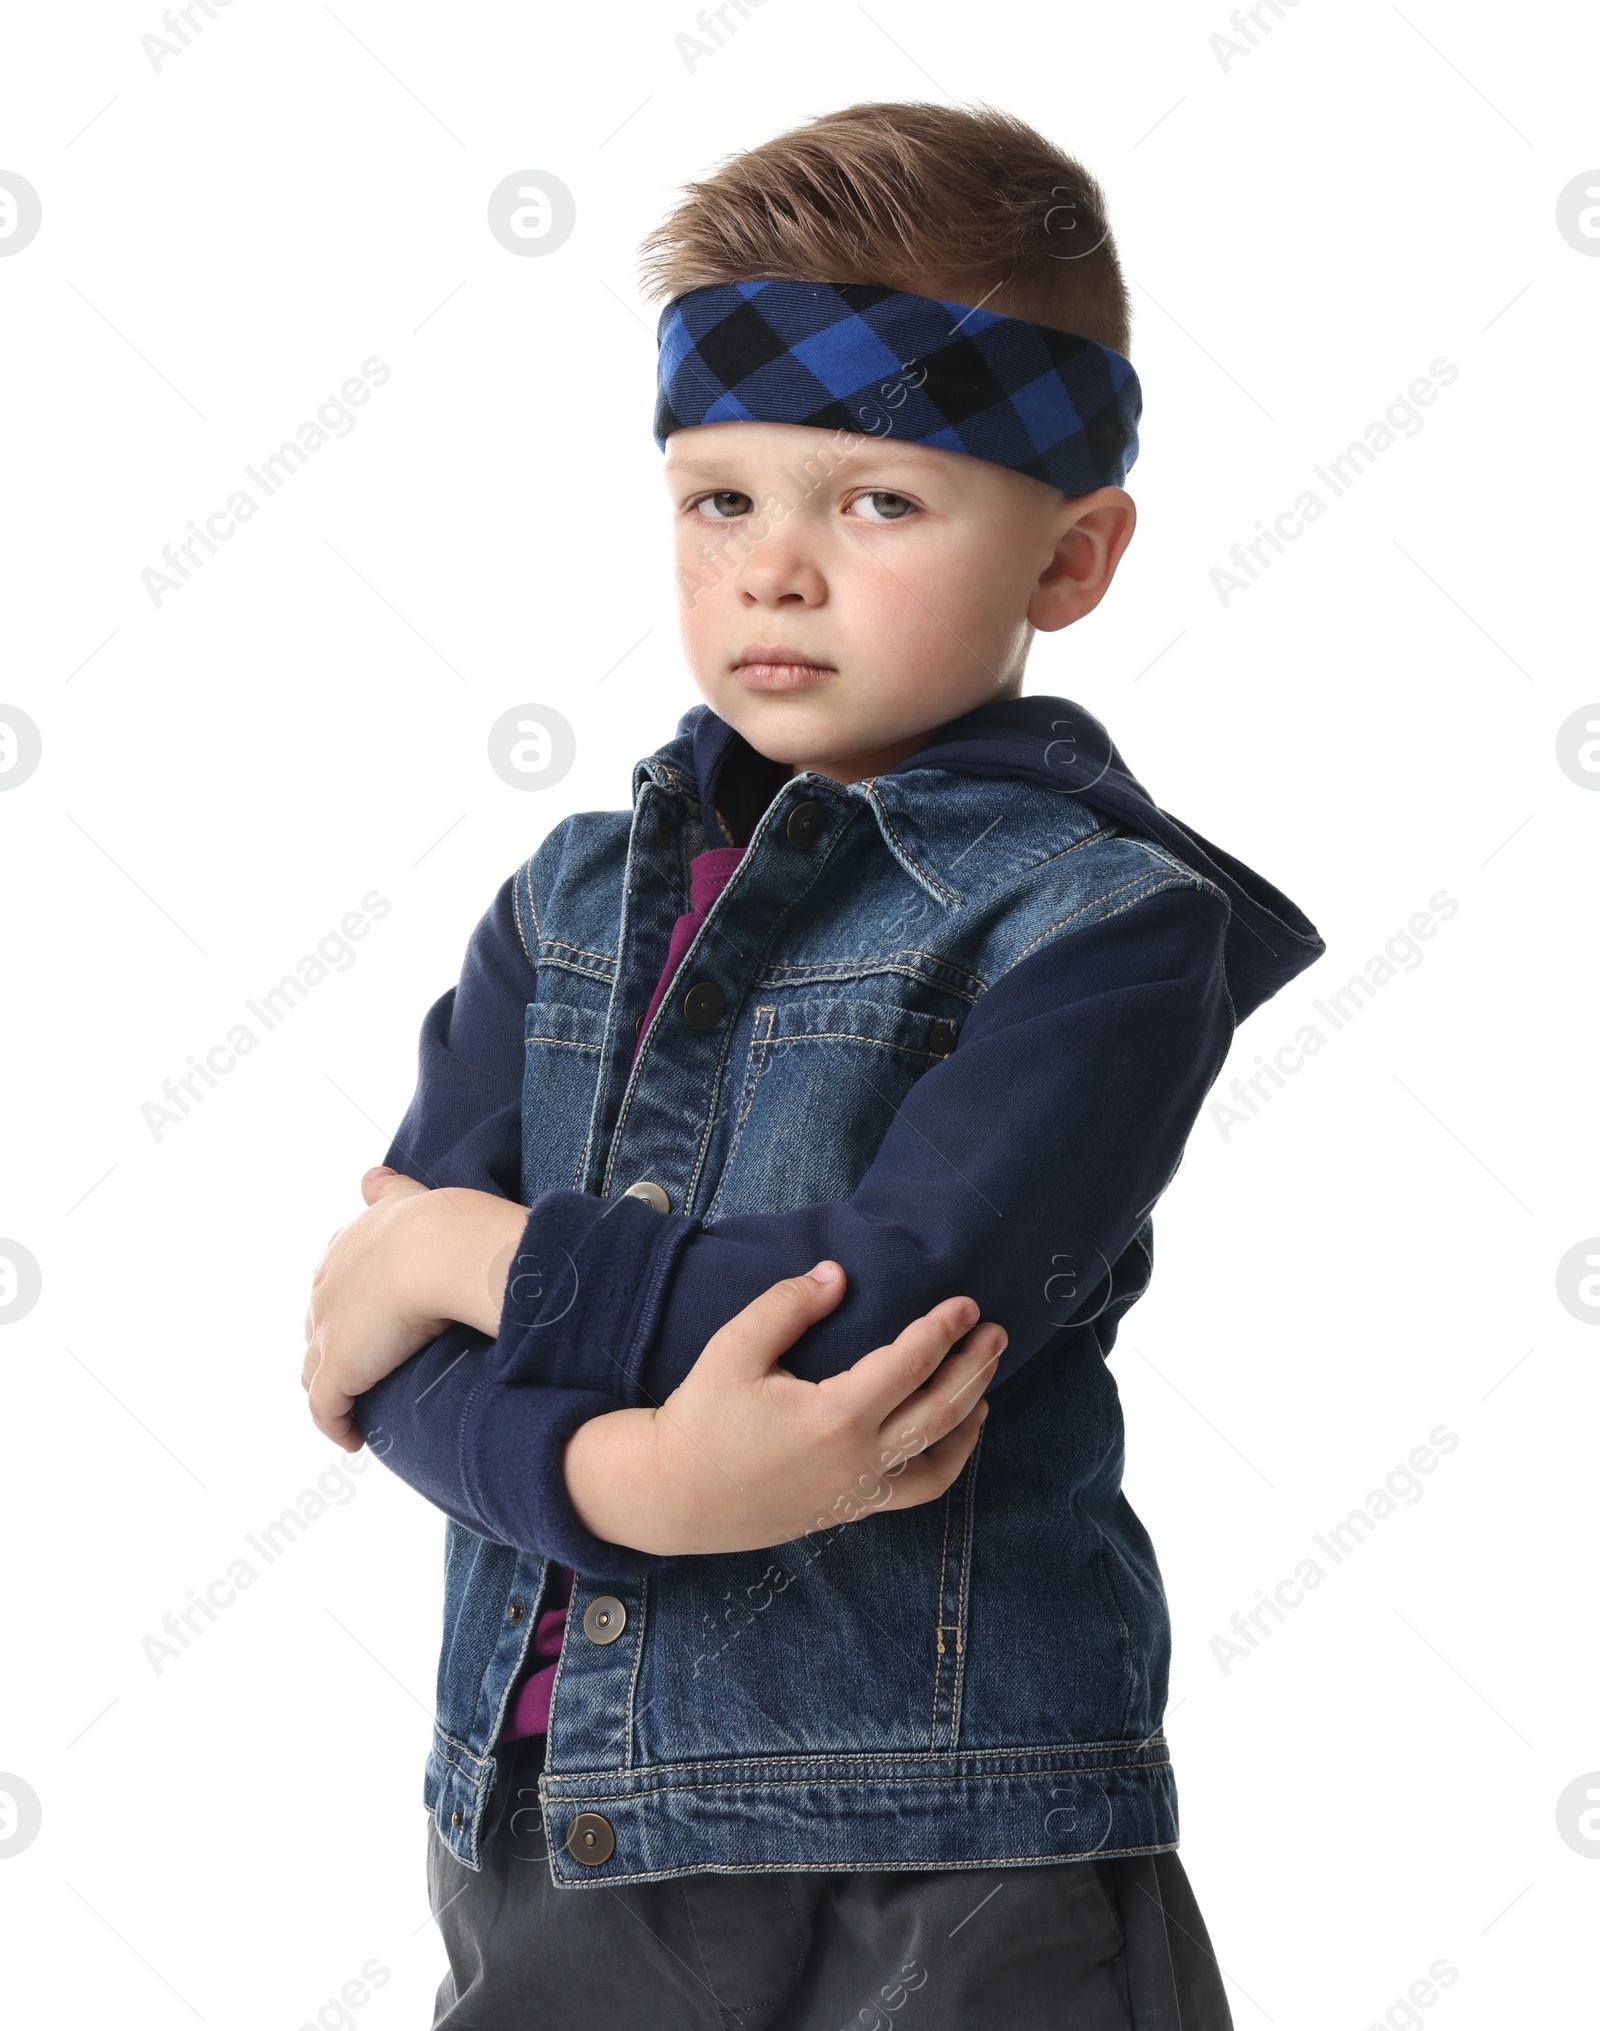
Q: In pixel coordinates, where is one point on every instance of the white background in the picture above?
(224, 776)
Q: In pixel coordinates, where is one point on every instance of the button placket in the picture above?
(655, 1139)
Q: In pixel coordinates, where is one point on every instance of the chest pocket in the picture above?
(560, 1069)
(822, 1081)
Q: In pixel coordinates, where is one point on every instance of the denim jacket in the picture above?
(951, 1026)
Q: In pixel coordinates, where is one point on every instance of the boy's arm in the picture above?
(464, 1127)
(1016, 1171)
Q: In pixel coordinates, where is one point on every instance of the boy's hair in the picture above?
(970, 205)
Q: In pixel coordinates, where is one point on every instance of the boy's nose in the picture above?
(777, 574)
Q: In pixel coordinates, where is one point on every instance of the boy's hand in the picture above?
(378, 1293)
(744, 1455)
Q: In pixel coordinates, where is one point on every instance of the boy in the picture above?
(892, 984)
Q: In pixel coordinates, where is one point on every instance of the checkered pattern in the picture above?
(854, 356)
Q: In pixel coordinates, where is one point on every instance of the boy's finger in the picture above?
(883, 1379)
(955, 1385)
(752, 1341)
(926, 1478)
(331, 1406)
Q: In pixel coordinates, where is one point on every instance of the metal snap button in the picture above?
(515, 1612)
(590, 1840)
(652, 1195)
(458, 1817)
(942, 1039)
(604, 1619)
(704, 1005)
(805, 824)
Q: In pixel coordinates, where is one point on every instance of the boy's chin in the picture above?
(785, 726)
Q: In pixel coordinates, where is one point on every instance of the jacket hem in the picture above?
(847, 1814)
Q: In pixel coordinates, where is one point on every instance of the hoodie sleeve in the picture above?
(464, 1127)
(1018, 1171)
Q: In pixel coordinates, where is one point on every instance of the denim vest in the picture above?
(976, 1681)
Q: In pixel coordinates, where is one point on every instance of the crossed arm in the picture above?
(1017, 1171)
(741, 1455)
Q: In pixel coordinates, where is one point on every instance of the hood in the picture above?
(1055, 743)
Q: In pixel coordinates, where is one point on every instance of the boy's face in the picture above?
(841, 594)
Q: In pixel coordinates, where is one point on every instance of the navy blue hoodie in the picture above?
(1118, 1030)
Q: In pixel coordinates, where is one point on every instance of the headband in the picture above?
(855, 356)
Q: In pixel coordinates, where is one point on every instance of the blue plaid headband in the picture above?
(854, 356)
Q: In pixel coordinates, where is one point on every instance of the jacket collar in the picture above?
(1046, 741)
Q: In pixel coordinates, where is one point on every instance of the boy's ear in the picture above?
(1092, 531)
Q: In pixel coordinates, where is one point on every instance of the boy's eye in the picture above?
(883, 507)
(723, 507)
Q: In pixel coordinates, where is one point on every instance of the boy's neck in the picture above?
(851, 768)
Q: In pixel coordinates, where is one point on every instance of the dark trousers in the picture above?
(1096, 1945)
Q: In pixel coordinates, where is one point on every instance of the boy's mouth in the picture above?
(766, 667)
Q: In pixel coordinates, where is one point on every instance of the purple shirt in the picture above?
(529, 1712)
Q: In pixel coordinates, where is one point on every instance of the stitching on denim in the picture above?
(566, 945)
(699, 940)
(887, 822)
(933, 959)
(798, 974)
(938, 1634)
(567, 1043)
(473, 1777)
(1140, 882)
(714, 1088)
(633, 1676)
(525, 880)
(759, 1039)
(959, 1690)
(1048, 1754)
(1122, 1617)
(819, 868)
(1158, 852)
(585, 972)
(851, 1037)
(1088, 839)
(620, 1798)
(456, 1742)
(844, 972)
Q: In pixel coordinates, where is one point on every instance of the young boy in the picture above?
(885, 1009)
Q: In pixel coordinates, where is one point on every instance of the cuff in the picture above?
(511, 1447)
(585, 1293)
